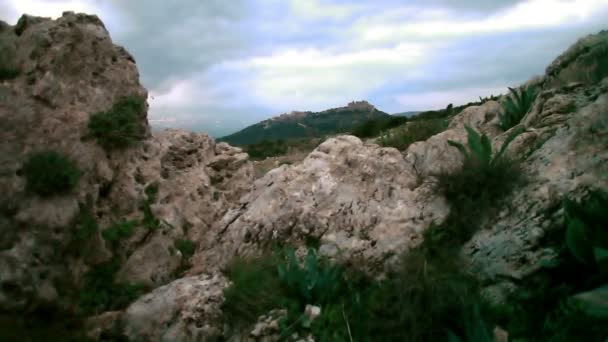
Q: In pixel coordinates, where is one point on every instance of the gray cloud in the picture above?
(173, 39)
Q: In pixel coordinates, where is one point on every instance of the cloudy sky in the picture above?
(219, 65)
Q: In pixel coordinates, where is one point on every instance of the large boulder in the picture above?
(358, 201)
(188, 309)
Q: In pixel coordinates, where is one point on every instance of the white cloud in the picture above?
(113, 19)
(318, 78)
(441, 24)
(314, 9)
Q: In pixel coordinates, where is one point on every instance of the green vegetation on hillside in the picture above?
(372, 128)
(426, 298)
(311, 125)
(49, 173)
(266, 148)
(419, 130)
(121, 126)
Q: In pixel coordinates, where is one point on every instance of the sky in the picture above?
(217, 66)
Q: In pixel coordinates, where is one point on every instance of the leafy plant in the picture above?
(587, 240)
(121, 126)
(421, 300)
(119, 231)
(49, 173)
(150, 221)
(516, 105)
(186, 247)
(101, 293)
(313, 282)
(568, 299)
(479, 152)
(484, 178)
(85, 224)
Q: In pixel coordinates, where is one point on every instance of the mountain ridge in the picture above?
(301, 124)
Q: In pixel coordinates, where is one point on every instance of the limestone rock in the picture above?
(357, 200)
(187, 309)
(585, 61)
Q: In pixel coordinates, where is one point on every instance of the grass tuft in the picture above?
(49, 173)
(120, 127)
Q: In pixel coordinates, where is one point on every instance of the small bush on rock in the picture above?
(186, 247)
(516, 106)
(484, 178)
(101, 293)
(121, 126)
(49, 173)
(119, 231)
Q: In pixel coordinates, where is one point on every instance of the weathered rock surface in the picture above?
(358, 201)
(67, 70)
(586, 61)
(187, 309)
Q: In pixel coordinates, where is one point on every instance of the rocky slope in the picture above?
(66, 70)
(358, 202)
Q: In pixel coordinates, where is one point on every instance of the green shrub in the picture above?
(7, 73)
(85, 225)
(119, 231)
(424, 299)
(517, 105)
(122, 126)
(150, 221)
(49, 173)
(414, 131)
(186, 247)
(483, 179)
(566, 301)
(374, 127)
(266, 148)
(8, 68)
(101, 293)
(587, 241)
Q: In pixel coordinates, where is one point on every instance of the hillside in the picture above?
(306, 124)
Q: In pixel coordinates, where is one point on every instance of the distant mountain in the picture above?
(406, 113)
(307, 124)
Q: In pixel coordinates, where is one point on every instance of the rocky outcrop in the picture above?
(171, 186)
(358, 201)
(585, 61)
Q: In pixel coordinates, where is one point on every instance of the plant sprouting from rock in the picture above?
(121, 126)
(516, 105)
(49, 173)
